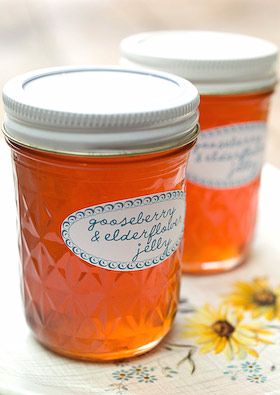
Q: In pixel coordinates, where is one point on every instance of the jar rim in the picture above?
(110, 154)
(216, 62)
(110, 110)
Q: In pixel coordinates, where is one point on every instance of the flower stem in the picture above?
(182, 345)
(188, 357)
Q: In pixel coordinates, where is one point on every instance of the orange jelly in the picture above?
(235, 76)
(72, 306)
(220, 235)
(101, 206)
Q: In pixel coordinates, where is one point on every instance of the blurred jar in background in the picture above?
(100, 158)
(235, 76)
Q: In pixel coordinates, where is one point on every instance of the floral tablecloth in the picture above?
(225, 338)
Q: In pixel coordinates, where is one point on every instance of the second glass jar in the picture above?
(235, 76)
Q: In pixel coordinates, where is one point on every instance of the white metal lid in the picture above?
(217, 63)
(100, 111)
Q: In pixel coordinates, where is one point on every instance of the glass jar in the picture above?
(235, 76)
(99, 157)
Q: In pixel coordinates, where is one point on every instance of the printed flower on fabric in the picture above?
(257, 297)
(168, 372)
(251, 367)
(147, 378)
(232, 371)
(257, 378)
(139, 370)
(122, 375)
(222, 330)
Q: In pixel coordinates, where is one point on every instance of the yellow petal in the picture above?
(197, 321)
(231, 318)
(221, 345)
(211, 309)
(234, 345)
(263, 332)
(241, 298)
(256, 313)
(205, 315)
(277, 290)
(251, 352)
(193, 331)
(228, 352)
(239, 314)
(245, 331)
(235, 300)
(270, 314)
(206, 339)
(252, 326)
(244, 286)
(207, 347)
(265, 341)
(197, 328)
(223, 310)
(261, 283)
(242, 353)
(244, 340)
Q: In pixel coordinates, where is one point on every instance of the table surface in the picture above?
(28, 368)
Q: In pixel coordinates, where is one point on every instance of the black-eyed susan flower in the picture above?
(257, 297)
(222, 330)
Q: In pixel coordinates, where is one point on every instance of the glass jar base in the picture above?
(214, 266)
(104, 357)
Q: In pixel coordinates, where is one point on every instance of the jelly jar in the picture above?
(235, 76)
(99, 158)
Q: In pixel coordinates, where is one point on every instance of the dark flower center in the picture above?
(264, 298)
(146, 377)
(223, 328)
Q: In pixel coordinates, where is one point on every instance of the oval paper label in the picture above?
(126, 235)
(229, 156)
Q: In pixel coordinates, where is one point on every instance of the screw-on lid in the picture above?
(100, 111)
(215, 62)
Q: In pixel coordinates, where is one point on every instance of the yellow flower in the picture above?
(256, 297)
(221, 330)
